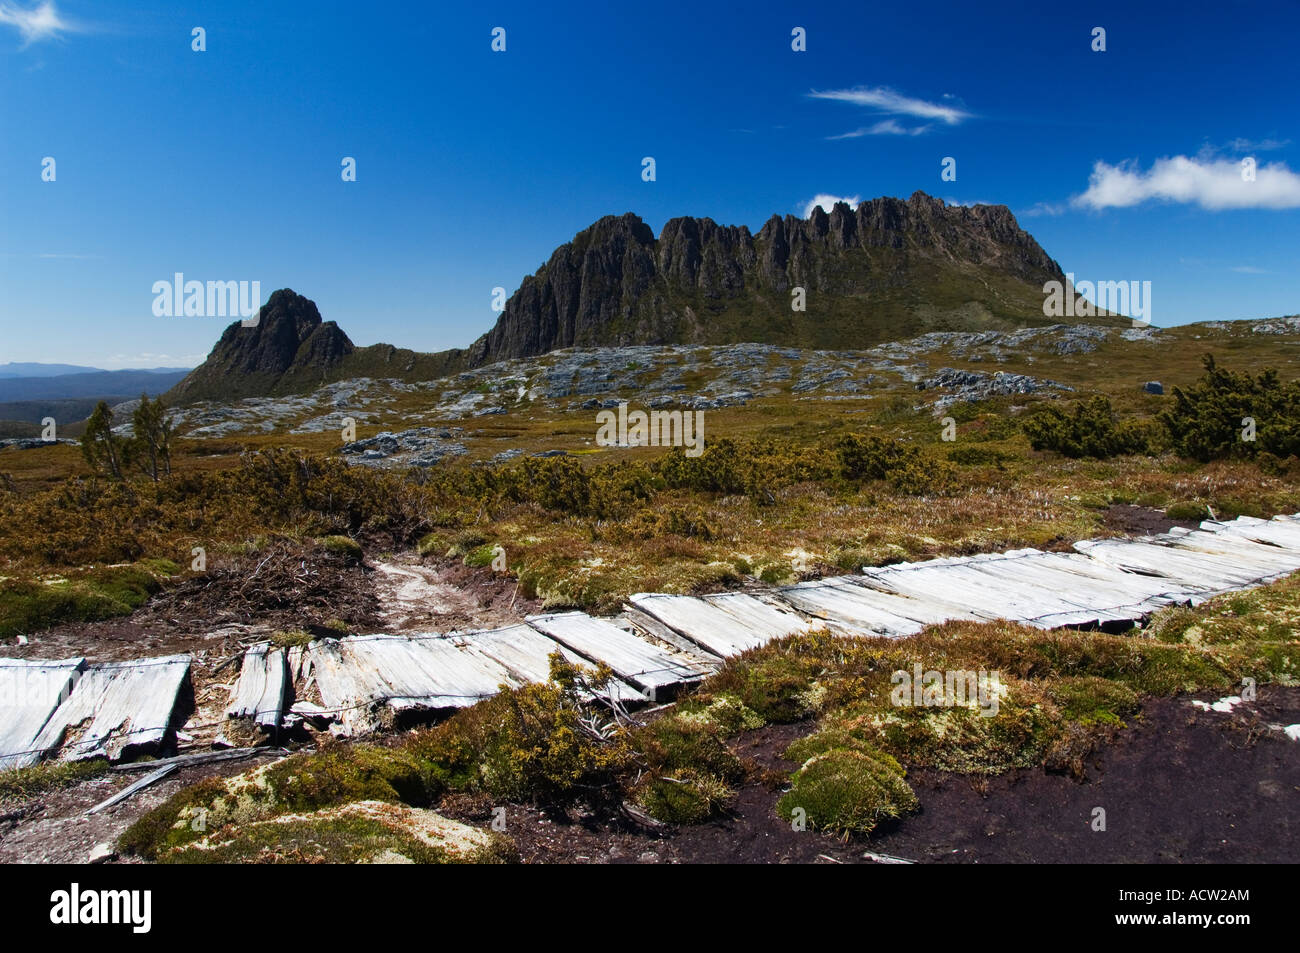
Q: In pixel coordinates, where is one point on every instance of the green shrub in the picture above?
(1090, 429)
(864, 457)
(343, 546)
(848, 791)
(688, 771)
(1208, 419)
(527, 744)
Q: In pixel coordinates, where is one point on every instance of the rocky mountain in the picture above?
(889, 270)
(289, 350)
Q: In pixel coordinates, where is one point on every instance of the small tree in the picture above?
(152, 440)
(105, 451)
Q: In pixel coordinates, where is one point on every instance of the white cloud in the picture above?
(886, 127)
(41, 22)
(1211, 184)
(827, 202)
(886, 100)
(1251, 270)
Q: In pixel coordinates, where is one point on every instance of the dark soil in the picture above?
(1125, 519)
(1181, 785)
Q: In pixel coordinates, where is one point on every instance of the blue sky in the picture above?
(473, 165)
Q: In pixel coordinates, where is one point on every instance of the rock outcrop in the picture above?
(887, 270)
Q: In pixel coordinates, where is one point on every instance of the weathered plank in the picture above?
(526, 655)
(30, 692)
(203, 757)
(654, 670)
(1283, 531)
(116, 708)
(1201, 572)
(1060, 598)
(1265, 559)
(360, 674)
(262, 691)
(725, 624)
(1111, 593)
(848, 606)
(961, 582)
(151, 778)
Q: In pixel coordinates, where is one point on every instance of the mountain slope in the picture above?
(290, 349)
(887, 271)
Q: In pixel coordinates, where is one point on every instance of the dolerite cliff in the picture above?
(289, 350)
(888, 270)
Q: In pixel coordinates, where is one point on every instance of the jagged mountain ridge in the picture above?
(888, 270)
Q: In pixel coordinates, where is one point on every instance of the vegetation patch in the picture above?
(848, 791)
(359, 832)
(84, 596)
(21, 783)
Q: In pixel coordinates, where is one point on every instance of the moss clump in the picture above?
(359, 832)
(527, 744)
(432, 544)
(21, 783)
(848, 791)
(772, 681)
(88, 596)
(337, 774)
(481, 556)
(684, 797)
(687, 770)
(1186, 511)
(1093, 701)
(725, 713)
(293, 637)
(346, 548)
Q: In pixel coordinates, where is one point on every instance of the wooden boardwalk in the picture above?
(659, 644)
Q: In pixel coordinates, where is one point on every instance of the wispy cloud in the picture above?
(886, 127)
(885, 100)
(827, 202)
(1251, 270)
(41, 22)
(1043, 208)
(1212, 184)
(148, 360)
(1240, 145)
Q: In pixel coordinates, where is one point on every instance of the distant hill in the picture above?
(98, 384)
(888, 270)
(34, 369)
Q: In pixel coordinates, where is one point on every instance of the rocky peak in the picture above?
(289, 343)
